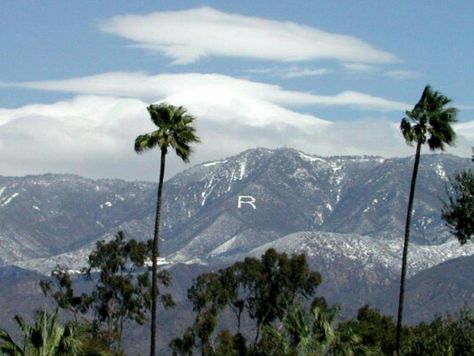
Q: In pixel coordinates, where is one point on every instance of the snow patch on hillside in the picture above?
(9, 199)
(210, 164)
(242, 170)
(369, 252)
(309, 158)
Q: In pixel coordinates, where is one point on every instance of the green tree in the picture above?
(121, 289)
(461, 328)
(377, 331)
(45, 337)
(451, 335)
(458, 212)
(429, 122)
(310, 334)
(174, 131)
(429, 339)
(263, 289)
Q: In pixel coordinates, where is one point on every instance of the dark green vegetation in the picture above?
(258, 290)
(449, 335)
(45, 337)
(174, 131)
(121, 289)
(459, 211)
(429, 122)
(270, 303)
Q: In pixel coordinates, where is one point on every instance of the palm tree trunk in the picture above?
(405, 247)
(155, 255)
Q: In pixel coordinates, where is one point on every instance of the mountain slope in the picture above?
(46, 215)
(63, 215)
(446, 287)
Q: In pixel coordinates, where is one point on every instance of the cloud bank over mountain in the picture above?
(92, 133)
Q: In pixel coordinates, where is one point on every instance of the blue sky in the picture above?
(324, 77)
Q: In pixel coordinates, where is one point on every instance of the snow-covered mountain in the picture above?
(42, 216)
(358, 202)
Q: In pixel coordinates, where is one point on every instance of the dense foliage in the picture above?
(259, 291)
(121, 287)
(270, 301)
(459, 211)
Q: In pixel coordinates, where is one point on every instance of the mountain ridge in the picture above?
(295, 191)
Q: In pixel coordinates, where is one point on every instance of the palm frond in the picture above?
(146, 142)
(175, 130)
(8, 345)
(407, 131)
(430, 121)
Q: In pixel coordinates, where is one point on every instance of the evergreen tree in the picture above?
(459, 211)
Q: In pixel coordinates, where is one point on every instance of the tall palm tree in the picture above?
(175, 131)
(429, 122)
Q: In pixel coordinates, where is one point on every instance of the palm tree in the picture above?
(45, 337)
(175, 131)
(312, 334)
(429, 122)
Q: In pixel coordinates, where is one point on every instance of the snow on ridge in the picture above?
(2, 190)
(224, 247)
(207, 190)
(338, 174)
(367, 250)
(213, 163)
(309, 158)
(9, 199)
(242, 169)
(441, 172)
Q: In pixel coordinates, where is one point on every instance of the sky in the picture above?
(328, 78)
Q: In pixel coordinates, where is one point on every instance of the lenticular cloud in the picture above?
(190, 35)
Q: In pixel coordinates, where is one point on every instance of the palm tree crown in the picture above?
(174, 130)
(430, 121)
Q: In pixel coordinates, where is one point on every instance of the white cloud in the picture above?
(212, 89)
(465, 130)
(295, 72)
(93, 136)
(87, 135)
(403, 74)
(290, 72)
(190, 35)
(360, 67)
(464, 107)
